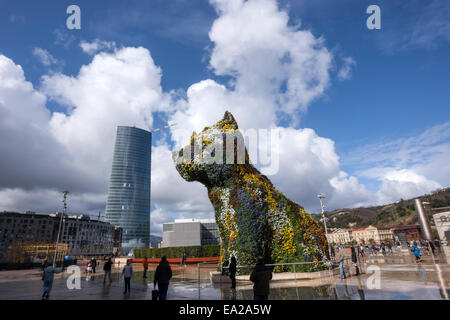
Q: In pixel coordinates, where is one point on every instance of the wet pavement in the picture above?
(400, 278)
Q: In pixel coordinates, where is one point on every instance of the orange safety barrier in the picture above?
(177, 260)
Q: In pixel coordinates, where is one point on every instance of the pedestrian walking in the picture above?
(416, 251)
(261, 276)
(163, 274)
(389, 248)
(340, 259)
(399, 246)
(44, 265)
(47, 277)
(127, 273)
(354, 260)
(88, 269)
(232, 271)
(437, 244)
(183, 259)
(94, 265)
(107, 270)
(431, 245)
(361, 250)
(145, 264)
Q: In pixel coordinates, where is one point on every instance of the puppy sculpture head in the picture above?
(211, 154)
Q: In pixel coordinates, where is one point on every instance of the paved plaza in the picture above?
(400, 278)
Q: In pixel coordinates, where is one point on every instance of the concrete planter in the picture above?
(216, 276)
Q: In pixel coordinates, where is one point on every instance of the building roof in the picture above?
(406, 227)
(194, 220)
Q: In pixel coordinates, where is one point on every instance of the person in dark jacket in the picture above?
(107, 270)
(44, 264)
(354, 260)
(94, 264)
(183, 259)
(47, 277)
(431, 245)
(261, 275)
(163, 274)
(145, 264)
(232, 270)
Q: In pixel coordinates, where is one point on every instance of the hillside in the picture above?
(154, 240)
(401, 212)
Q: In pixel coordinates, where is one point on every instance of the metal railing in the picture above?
(327, 263)
(364, 263)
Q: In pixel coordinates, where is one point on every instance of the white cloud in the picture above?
(425, 154)
(120, 88)
(72, 150)
(277, 70)
(422, 25)
(309, 165)
(405, 167)
(63, 37)
(45, 57)
(48, 200)
(345, 73)
(274, 67)
(96, 46)
(404, 184)
(254, 42)
(31, 156)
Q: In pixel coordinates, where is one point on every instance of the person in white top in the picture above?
(127, 273)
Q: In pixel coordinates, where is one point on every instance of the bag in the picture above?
(155, 294)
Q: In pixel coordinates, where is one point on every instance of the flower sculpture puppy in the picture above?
(254, 219)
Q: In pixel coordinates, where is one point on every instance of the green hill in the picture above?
(401, 212)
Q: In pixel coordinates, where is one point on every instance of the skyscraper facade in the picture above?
(128, 204)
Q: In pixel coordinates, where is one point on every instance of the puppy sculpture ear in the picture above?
(228, 117)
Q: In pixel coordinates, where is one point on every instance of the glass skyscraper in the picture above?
(128, 204)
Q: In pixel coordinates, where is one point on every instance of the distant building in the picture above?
(190, 232)
(375, 234)
(362, 235)
(384, 234)
(82, 235)
(339, 236)
(407, 233)
(128, 204)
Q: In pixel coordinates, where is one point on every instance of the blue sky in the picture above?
(395, 95)
(388, 87)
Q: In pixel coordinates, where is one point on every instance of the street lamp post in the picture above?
(60, 226)
(321, 196)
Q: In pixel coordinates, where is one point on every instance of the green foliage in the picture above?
(399, 213)
(442, 202)
(342, 221)
(177, 252)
